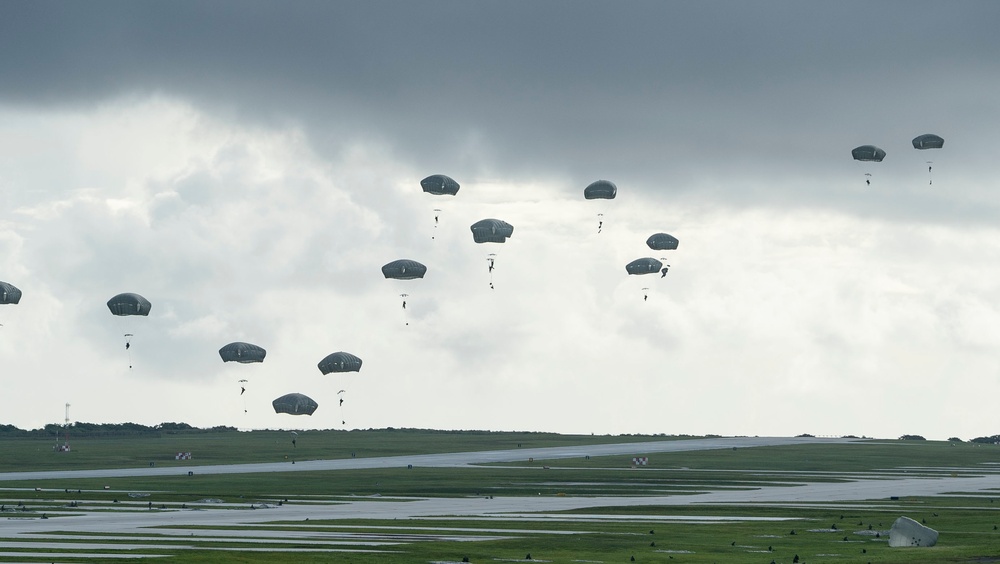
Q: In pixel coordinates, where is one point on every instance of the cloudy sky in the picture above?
(249, 166)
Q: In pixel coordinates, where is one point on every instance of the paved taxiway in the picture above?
(528, 507)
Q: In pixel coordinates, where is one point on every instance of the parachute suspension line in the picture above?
(343, 420)
(243, 390)
(124, 307)
(125, 326)
(128, 348)
(491, 262)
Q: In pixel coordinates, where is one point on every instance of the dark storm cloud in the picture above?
(682, 96)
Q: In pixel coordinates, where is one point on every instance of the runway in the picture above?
(454, 459)
(528, 508)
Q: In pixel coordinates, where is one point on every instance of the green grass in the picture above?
(864, 457)
(966, 523)
(273, 446)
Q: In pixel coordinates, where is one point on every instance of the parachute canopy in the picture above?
(600, 190)
(491, 231)
(439, 185)
(928, 141)
(129, 304)
(340, 362)
(295, 404)
(646, 265)
(404, 269)
(662, 242)
(868, 153)
(9, 294)
(242, 352)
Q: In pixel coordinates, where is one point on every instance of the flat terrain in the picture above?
(576, 503)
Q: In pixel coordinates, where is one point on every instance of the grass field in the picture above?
(272, 446)
(815, 531)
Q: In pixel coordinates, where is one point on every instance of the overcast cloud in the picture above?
(249, 166)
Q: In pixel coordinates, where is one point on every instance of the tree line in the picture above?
(82, 429)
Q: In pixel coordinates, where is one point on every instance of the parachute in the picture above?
(868, 153)
(662, 242)
(9, 294)
(243, 353)
(647, 265)
(928, 141)
(127, 305)
(404, 269)
(600, 190)
(440, 185)
(491, 231)
(295, 404)
(340, 362)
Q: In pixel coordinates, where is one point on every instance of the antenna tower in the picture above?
(65, 446)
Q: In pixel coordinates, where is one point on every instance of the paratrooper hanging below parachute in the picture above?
(125, 306)
(439, 185)
(928, 141)
(868, 153)
(600, 190)
(340, 362)
(404, 269)
(491, 231)
(243, 353)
